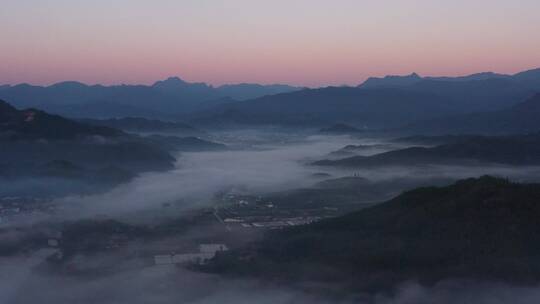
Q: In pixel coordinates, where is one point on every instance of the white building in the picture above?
(206, 253)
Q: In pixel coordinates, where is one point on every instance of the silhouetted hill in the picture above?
(201, 91)
(369, 149)
(477, 95)
(379, 102)
(74, 156)
(172, 97)
(318, 107)
(433, 140)
(34, 124)
(477, 92)
(190, 92)
(521, 118)
(530, 77)
(476, 228)
(476, 76)
(408, 80)
(164, 99)
(514, 150)
(244, 91)
(391, 81)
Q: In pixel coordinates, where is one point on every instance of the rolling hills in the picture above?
(476, 228)
(370, 108)
(512, 150)
(520, 118)
(74, 156)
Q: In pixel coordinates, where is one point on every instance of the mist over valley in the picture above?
(280, 152)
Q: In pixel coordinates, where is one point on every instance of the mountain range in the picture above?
(529, 78)
(378, 103)
(172, 95)
(389, 102)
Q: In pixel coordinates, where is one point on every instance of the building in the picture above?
(206, 253)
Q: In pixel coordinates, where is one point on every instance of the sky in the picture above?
(300, 42)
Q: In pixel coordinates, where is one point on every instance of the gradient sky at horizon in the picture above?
(301, 42)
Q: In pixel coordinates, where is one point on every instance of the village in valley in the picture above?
(189, 238)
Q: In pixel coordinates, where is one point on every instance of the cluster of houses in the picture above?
(279, 223)
(245, 211)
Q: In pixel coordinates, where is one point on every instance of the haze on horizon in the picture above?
(300, 42)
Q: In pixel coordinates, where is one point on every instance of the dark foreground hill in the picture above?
(512, 150)
(484, 228)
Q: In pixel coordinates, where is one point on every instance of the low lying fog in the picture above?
(253, 165)
(259, 168)
(256, 165)
(21, 284)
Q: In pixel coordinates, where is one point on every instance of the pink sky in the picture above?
(301, 42)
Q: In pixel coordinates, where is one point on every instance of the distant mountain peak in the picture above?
(171, 81)
(69, 84)
(391, 81)
(412, 75)
(175, 79)
(489, 74)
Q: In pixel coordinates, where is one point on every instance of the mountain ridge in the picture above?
(519, 118)
(475, 228)
(405, 80)
(30, 124)
(165, 96)
(511, 150)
